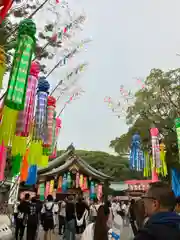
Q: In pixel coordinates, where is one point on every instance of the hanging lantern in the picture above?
(41, 191)
(60, 182)
(51, 188)
(69, 180)
(81, 181)
(16, 92)
(64, 185)
(136, 154)
(77, 180)
(47, 189)
(92, 190)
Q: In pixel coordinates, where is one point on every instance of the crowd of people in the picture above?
(155, 216)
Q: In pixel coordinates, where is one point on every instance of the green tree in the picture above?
(158, 104)
(115, 166)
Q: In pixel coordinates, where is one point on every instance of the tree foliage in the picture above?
(8, 36)
(115, 166)
(157, 104)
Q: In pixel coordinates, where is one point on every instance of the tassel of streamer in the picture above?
(32, 175)
(16, 93)
(3, 155)
(36, 149)
(55, 137)
(51, 105)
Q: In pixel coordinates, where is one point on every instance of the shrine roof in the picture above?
(81, 164)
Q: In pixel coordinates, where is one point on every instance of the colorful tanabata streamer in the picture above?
(24, 121)
(64, 184)
(155, 148)
(16, 93)
(36, 150)
(136, 154)
(3, 155)
(175, 182)
(42, 191)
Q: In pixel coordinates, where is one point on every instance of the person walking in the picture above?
(22, 215)
(33, 220)
(93, 210)
(49, 210)
(99, 229)
(163, 222)
(70, 223)
(62, 214)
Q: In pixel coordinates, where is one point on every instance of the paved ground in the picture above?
(126, 235)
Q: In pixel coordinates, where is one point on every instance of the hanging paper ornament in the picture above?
(32, 175)
(2, 65)
(69, 180)
(16, 92)
(81, 178)
(147, 164)
(92, 190)
(36, 149)
(136, 154)
(77, 180)
(3, 155)
(25, 117)
(48, 139)
(64, 185)
(42, 191)
(177, 124)
(5, 5)
(47, 189)
(175, 182)
(51, 188)
(60, 182)
(155, 148)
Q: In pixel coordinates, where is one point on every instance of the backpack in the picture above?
(48, 215)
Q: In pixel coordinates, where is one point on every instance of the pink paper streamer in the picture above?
(154, 176)
(3, 155)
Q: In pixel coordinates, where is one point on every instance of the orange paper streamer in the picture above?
(24, 168)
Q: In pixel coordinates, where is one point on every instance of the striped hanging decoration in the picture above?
(16, 92)
(156, 162)
(2, 65)
(136, 154)
(177, 124)
(52, 151)
(51, 105)
(36, 149)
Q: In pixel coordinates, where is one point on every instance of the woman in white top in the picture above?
(99, 229)
(94, 210)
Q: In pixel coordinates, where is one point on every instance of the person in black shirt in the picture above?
(22, 215)
(33, 220)
(70, 224)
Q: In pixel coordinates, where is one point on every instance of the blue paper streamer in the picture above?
(176, 182)
(32, 175)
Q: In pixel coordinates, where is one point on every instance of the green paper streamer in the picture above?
(16, 165)
(16, 94)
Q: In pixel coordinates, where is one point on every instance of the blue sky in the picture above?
(129, 39)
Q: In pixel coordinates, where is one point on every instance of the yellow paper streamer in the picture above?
(35, 153)
(8, 125)
(19, 145)
(44, 161)
(2, 65)
(51, 188)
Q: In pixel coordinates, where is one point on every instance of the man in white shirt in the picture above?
(62, 215)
